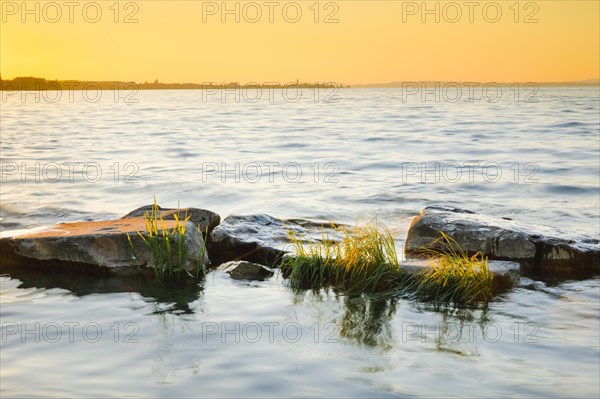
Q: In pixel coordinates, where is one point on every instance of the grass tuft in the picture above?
(455, 276)
(167, 247)
(366, 262)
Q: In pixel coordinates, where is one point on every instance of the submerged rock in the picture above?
(506, 273)
(103, 244)
(262, 238)
(541, 250)
(242, 270)
(207, 220)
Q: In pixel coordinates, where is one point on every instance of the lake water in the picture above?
(346, 156)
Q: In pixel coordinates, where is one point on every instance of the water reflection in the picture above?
(457, 330)
(367, 321)
(166, 298)
(378, 322)
(363, 320)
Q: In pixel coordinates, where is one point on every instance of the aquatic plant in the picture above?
(454, 275)
(365, 261)
(167, 246)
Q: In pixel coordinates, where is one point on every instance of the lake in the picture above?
(349, 155)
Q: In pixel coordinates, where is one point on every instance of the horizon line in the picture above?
(395, 83)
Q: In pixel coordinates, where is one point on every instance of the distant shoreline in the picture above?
(38, 84)
(397, 85)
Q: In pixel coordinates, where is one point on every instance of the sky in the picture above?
(347, 42)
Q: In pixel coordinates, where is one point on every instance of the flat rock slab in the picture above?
(541, 250)
(102, 243)
(506, 273)
(207, 220)
(262, 238)
(242, 270)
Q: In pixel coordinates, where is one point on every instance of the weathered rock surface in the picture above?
(541, 250)
(199, 217)
(103, 244)
(242, 270)
(506, 273)
(262, 238)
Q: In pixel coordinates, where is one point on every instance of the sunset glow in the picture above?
(348, 42)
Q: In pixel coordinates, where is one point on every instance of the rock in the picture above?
(506, 274)
(542, 251)
(242, 270)
(199, 217)
(262, 238)
(103, 244)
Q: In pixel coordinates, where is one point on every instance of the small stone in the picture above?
(242, 270)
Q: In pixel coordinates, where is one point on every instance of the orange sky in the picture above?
(372, 41)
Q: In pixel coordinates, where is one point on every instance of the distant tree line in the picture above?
(33, 83)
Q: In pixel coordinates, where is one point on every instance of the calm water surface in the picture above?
(357, 158)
